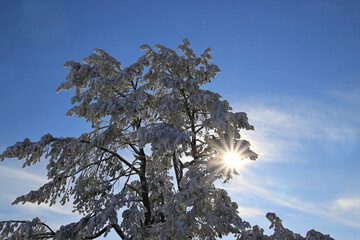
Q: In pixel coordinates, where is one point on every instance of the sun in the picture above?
(232, 159)
(232, 162)
(231, 155)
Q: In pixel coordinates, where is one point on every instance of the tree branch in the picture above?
(144, 188)
(102, 231)
(116, 155)
(25, 221)
(178, 170)
(135, 149)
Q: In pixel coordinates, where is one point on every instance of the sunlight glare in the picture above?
(232, 159)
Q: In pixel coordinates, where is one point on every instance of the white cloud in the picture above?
(347, 204)
(284, 130)
(250, 212)
(342, 210)
(16, 182)
(282, 125)
(21, 175)
(43, 209)
(298, 121)
(54, 216)
(21, 180)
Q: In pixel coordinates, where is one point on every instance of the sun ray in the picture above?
(231, 155)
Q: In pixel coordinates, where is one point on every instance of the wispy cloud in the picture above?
(43, 209)
(16, 182)
(21, 175)
(286, 130)
(55, 216)
(281, 125)
(249, 212)
(305, 121)
(347, 205)
(342, 210)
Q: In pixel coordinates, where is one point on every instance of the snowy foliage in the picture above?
(281, 233)
(157, 110)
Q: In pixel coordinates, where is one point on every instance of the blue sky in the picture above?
(293, 66)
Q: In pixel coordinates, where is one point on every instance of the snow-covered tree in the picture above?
(177, 134)
(280, 233)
